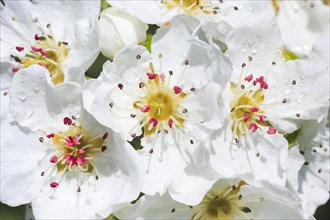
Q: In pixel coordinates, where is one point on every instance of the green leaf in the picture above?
(148, 42)
(95, 70)
(136, 142)
(292, 138)
(288, 55)
(104, 4)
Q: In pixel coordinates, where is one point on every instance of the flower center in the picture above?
(76, 150)
(192, 7)
(45, 52)
(246, 112)
(160, 104)
(223, 204)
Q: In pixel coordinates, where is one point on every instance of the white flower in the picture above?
(228, 199)
(301, 24)
(171, 95)
(119, 29)
(217, 17)
(266, 99)
(58, 157)
(57, 35)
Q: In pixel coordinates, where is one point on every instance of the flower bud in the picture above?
(118, 29)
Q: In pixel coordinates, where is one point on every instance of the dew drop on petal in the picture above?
(287, 91)
(21, 96)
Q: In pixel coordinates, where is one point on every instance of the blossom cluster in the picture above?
(203, 109)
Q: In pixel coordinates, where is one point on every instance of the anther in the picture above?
(151, 76)
(294, 82)
(184, 110)
(53, 159)
(253, 127)
(162, 76)
(42, 173)
(246, 117)
(261, 199)
(284, 100)
(120, 86)
(232, 109)
(145, 109)
(242, 87)
(258, 154)
(54, 184)
(133, 135)
(19, 49)
(151, 151)
(319, 171)
(236, 8)
(170, 123)
(111, 104)
(233, 187)
(41, 139)
(273, 62)
(96, 177)
(105, 135)
(243, 65)
(141, 85)
(240, 197)
(271, 130)
(215, 12)
(191, 142)
(306, 163)
(67, 121)
(50, 135)
(236, 140)
(48, 25)
(15, 69)
(297, 115)
(248, 78)
(177, 89)
(249, 58)
(138, 57)
(173, 210)
(186, 62)
(153, 121)
(132, 115)
(78, 189)
(254, 109)
(103, 148)
(262, 119)
(193, 89)
(170, 73)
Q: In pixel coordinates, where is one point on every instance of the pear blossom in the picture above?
(118, 29)
(227, 199)
(169, 96)
(61, 160)
(32, 32)
(265, 100)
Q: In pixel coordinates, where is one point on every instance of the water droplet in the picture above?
(287, 91)
(21, 96)
(300, 98)
(243, 51)
(254, 50)
(302, 85)
(36, 90)
(303, 76)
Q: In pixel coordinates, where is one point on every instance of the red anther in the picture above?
(264, 85)
(262, 119)
(105, 135)
(50, 135)
(80, 161)
(67, 121)
(44, 53)
(145, 109)
(162, 76)
(151, 75)
(177, 89)
(19, 49)
(254, 82)
(271, 130)
(72, 141)
(42, 64)
(153, 121)
(66, 156)
(70, 160)
(260, 79)
(53, 159)
(103, 148)
(254, 109)
(248, 78)
(246, 117)
(253, 127)
(15, 69)
(170, 123)
(36, 37)
(54, 184)
(81, 151)
(35, 49)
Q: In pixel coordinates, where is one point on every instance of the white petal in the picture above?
(37, 104)
(21, 164)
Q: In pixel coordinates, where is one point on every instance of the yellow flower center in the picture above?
(51, 57)
(192, 7)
